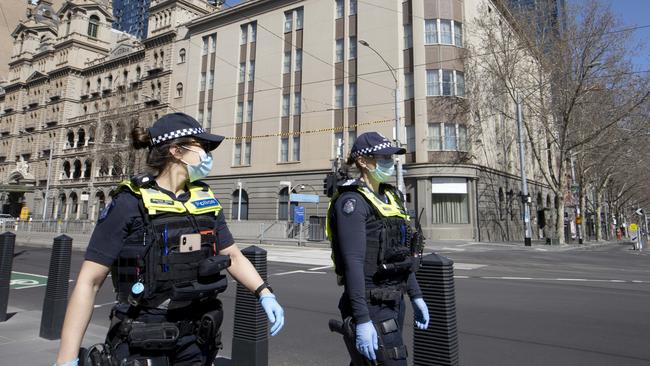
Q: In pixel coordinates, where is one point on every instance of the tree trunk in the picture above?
(559, 217)
(582, 201)
(597, 223)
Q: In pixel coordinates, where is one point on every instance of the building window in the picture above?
(208, 121)
(284, 150)
(445, 31)
(251, 70)
(210, 79)
(239, 208)
(237, 156)
(286, 64)
(93, 26)
(249, 111)
(352, 52)
(435, 137)
(449, 201)
(181, 56)
(451, 143)
(243, 37)
(297, 105)
(298, 60)
(352, 95)
(339, 50)
(202, 85)
(447, 82)
(462, 138)
(353, 7)
(285, 105)
(409, 89)
(339, 9)
(408, 36)
(458, 34)
(460, 83)
(240, 112)
(288, 21)
(200, 116)
(296, 149)
(410, 138)
(299, 19)
(430, 31)
(204, 50)
(253, 32)
(247, 153)
(433, 83)
(338, 143)
(338, 96)
(213, 43)
(283, 204)
(179, 89)
(242, 72)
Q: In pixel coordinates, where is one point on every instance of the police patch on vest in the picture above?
(349, 206)
(105, 211)
(205, 203)
(162, 202)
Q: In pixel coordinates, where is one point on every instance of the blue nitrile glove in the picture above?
(74, 362)
(273, 311)
(421, 313)
(367, 340)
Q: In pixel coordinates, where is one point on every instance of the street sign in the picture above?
(639, 212)
(310, 198)
(634, 227)
(578, 220)
(299, 214)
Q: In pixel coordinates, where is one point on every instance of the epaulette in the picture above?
(142, 180)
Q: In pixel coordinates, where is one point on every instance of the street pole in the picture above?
(398, 133)
(239, 202)
(577, 204)
(47, 185)
(524, 183)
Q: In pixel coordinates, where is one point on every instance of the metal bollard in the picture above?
(56, 292)
(7, 243)
(250, 341)
(437, 345)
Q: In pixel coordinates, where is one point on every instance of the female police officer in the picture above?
(165, 240)
(373, 256)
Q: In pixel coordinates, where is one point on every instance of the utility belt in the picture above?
(389, 295)
(348, 329)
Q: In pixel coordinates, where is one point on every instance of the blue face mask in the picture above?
(200, 170)
(384, 169)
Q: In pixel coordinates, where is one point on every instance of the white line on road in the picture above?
(108, 303)
(298, 271)
(550, 279)
(319, 268)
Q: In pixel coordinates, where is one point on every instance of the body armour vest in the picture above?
(389, 257)
(156, 260)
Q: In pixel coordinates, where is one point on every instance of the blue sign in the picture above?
(299, 214)
(309, 198)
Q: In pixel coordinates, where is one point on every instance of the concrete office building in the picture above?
(285, 81)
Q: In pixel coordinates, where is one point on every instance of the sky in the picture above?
(631, 13)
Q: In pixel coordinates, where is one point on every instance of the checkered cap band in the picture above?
(370, 150)
(176, 134)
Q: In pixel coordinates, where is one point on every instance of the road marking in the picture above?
(298, 271)
(453, 249)
(550, 279)
(22, 280)
(108, 303)
(319, 268)
(468, 266)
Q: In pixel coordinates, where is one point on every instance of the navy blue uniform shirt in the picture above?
(352, 212)
(122, 217)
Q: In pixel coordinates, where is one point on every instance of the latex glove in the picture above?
(367, 340)
(74, 362)
(421, 313)
(274, 311)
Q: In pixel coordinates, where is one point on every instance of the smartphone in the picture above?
(190, 243)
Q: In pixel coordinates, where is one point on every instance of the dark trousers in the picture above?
(378, 314)
(187, 351)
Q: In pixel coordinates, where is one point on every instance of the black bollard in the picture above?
(7, 242)
(56, 292)
(250, 341)
(437, 345)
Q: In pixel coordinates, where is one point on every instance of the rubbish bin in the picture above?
(316, 228)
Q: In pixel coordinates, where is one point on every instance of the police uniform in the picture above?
(374, 260)
(167, 310)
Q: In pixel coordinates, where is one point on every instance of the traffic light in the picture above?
(329, 184)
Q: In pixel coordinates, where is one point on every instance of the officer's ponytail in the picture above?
(140, 138)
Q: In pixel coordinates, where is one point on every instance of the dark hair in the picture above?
(159, 155)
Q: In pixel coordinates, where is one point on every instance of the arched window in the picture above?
(77, 169)
(108, 133)
(62, 204)
(120, 132)
(103, 167)
(239, 210)
(93, 26)
(118, 168)
(67, 24)
(100, 198)
(66, 169)
(74, 202)
(91, 135)
(283, 201)
(181, 56)
(70, 140)
(81, 137)
(179, 89)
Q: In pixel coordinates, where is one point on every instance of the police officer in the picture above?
(165, 241)
(374, 260)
